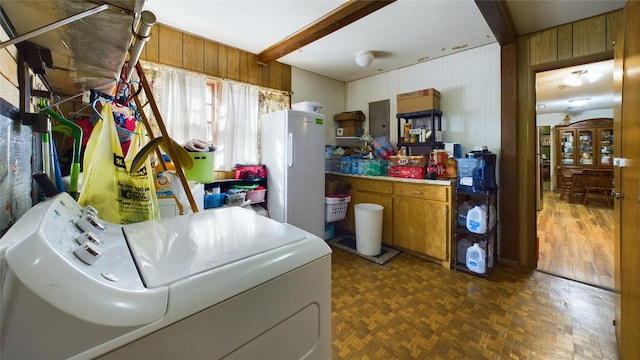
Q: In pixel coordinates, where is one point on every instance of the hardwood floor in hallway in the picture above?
(576, 241)
(413, 309)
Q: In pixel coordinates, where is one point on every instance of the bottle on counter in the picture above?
(432, 168)
(451, 168)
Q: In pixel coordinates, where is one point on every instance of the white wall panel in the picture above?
(330, 93)
(469, 83)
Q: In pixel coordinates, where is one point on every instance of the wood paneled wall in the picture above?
(179, 49)
(574, 40)
(580, 42)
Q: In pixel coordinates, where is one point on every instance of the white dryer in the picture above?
(225, 283)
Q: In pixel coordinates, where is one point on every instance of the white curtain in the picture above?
(181, 97)
(237, 125)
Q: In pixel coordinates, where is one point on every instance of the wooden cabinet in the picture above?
(585, 144)
(416, 217)
(422, 220)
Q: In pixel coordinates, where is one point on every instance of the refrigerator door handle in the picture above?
(290, 150)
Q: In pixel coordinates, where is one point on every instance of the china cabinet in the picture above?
(585, 144)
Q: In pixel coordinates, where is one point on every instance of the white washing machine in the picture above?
(225, 283)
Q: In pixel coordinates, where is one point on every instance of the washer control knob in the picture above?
(88, 222)
(90, 210)
(88, 253)
(88, 236)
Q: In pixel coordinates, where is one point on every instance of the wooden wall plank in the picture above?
(243, 67)
(612, 26)
(266, 73)
(9, 92)
(233, 63)
(9, 66)
(565, 42)
(275, 78)
(150, 51)
(255, 70)
(223, 66)
(193, 53)
(170, 46)
(508, 159)
(173, 47)
(211, 58)
(590, 36)
(285, 74)
(543, 46)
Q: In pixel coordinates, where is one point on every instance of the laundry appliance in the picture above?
(225, 283)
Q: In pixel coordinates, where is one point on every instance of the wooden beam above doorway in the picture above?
(497, 15)
(342, 16)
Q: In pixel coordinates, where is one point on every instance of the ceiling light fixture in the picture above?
(575, 79)
(364, 58)
(579, 102)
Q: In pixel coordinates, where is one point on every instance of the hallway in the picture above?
(576, 241)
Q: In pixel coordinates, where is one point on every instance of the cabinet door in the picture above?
(585, 138)
(422, 226)
(567, 144)
(605, 138)
(385, 201)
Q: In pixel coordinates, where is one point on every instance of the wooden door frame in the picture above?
(526, 147)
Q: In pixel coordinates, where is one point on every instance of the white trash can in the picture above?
(368, 228)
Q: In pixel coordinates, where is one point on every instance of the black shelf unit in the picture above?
(226, 184)
(431, 120)
(488, 241)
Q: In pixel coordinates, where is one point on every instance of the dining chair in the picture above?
(597, 183)
(565, 182)
(577, 186)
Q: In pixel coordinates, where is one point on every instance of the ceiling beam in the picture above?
(496, 14)
(342, 16)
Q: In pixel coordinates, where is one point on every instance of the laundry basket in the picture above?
(336, 207)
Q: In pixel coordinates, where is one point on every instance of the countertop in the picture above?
(399, 179)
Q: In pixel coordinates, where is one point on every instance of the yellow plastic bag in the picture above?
(107, 185)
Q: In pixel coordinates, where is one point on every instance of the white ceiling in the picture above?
(400, 34)
(553, 95)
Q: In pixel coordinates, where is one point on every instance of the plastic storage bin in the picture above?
(213, 200)
(336, 208)
(329, 231)
(256, 195)
(202, 170)
(236, 198)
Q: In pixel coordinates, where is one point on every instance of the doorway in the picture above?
(574, 241)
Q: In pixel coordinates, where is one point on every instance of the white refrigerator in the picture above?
(293, 150)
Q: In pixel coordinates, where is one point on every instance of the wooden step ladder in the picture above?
(150, 101)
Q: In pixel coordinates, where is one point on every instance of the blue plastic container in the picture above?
(213, 200)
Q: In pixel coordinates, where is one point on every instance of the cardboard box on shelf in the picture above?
(349, 131)
(350, 115)
(419, 160)
(420, 100)
(351, 123)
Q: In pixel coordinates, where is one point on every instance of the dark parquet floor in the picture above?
(414, 309)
